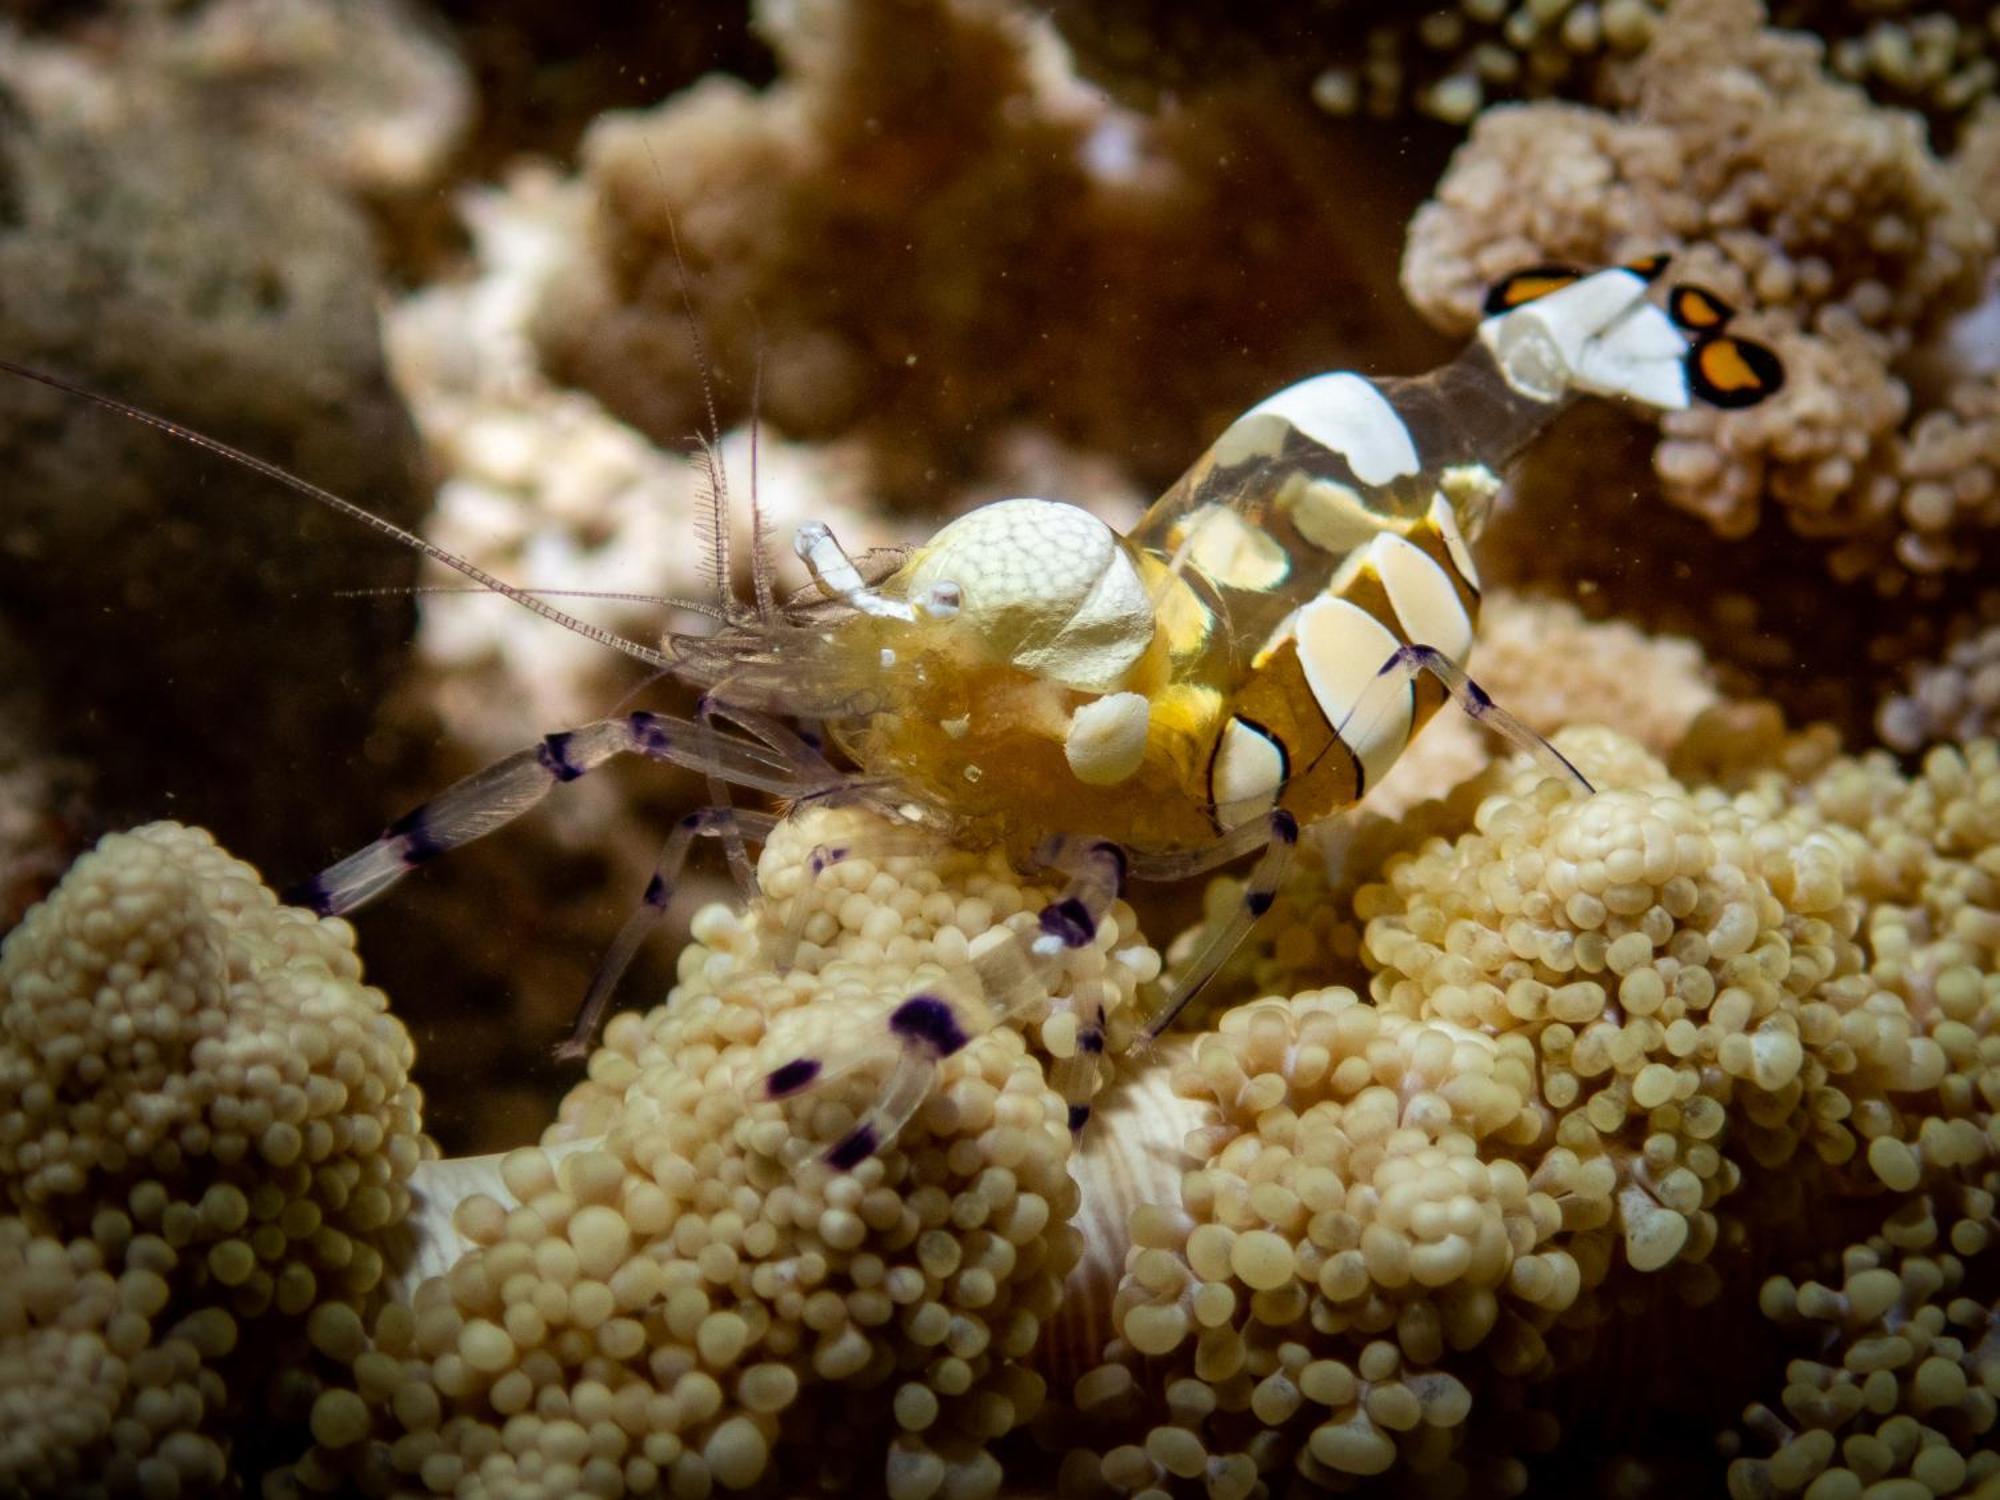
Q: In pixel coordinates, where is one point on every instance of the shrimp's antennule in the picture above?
(713, 523)
(347, 508)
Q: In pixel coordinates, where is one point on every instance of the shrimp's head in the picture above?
(1042, 684)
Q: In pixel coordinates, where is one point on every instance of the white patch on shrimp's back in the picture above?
(1342, 650)
(1420, 591)
(1044, 586)
(1342, 412)
(1331, 515)
(1231, 551)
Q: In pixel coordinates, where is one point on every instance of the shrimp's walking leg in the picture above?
(1007, 974)
(772, 732)
(712, 822)
(1278, 834)
(507, 788)
(1097, 871)
(1400, 670)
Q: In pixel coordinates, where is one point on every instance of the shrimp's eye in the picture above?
(943, 600)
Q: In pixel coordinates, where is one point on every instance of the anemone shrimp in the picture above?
(1249, 659)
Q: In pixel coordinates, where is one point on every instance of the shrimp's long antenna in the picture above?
(347, 508)
(666, 601)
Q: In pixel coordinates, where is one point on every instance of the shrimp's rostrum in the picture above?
(1249, 659)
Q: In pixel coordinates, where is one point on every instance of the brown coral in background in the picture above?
(1855, 250)
(927, 230)
(1792, 195)
(152, 585)
(1388, 61)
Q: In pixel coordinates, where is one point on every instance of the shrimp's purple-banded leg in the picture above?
(504, 790)
(772, 732)
(1277, 833)
(1097, 871)
(1403, 668)
(708, 822)
(925, 1029)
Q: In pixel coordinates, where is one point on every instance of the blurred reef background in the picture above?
(495, 271)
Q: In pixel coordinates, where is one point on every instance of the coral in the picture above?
(659, 1305)
(1897, 1382)
(1954, 698)
(1451, 63)
(1616, 1052)
(368, 95)
(1789, 194)
(540, 484)
(1612, 1041)
(101, 1392)
(371, 95)
(866, 233)
(1388, 61)
(213, 280)
(206, 1139)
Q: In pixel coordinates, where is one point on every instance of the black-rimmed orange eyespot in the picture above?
(1521, 287)
(1698, 311)
(1648, 267)
(1730, 372)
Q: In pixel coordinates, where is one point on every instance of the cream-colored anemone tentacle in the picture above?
(427, 1244)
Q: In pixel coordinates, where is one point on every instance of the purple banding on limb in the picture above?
(552, 754)
(418, 844)
(789, 1078)
(310, 894)
(853, 1148)
(1070, 922)
(649, 735)
(929, 1023)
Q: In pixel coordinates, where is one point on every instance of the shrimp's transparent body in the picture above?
(1165, 687)
(1249, 659)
